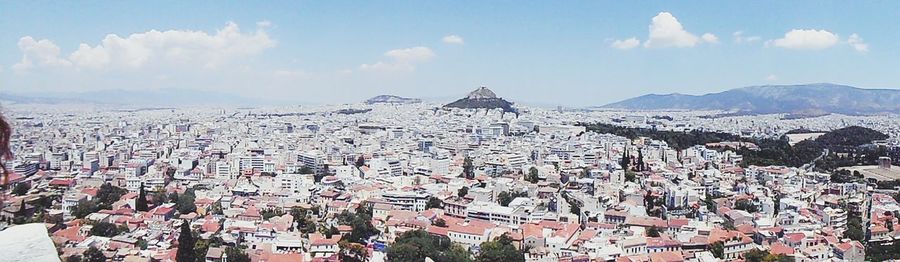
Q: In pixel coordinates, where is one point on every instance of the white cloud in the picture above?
(857, 43)
(771, 77)
(666, 31)
(39, 53)
(413, 54)
(626, 43)
(453, 39)
(805, 39)
(171, 47)
(710, 38)
(91, 57)
(401, 59)
(739, 37)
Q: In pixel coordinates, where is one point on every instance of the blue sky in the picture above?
(551, 53)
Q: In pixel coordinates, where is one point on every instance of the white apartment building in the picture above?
(313, 159)
(406, 200)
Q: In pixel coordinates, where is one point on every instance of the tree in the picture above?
(73, 258)
(434, 202)
(84, 208)
(345, 217)
(640, 161)
(625, 161)
(405, 253)
(185, 202)
(500, 250)
(330, 231)
(21, 189)
(141, 202)
(104, 229)
(440, 222)
(108, 194)
(504, 198)
(353, 252)
(236, 254)
(360, 223)
(532, 175)
(361, 161)
(468, 168)
(756, 255)
(718, 249)
(746, 205)
(317, 177)
(729, 224)
(362, 228)
(415, 246)
(270, 213)
(93, 255)
(710, 204)
(463, 191)
(159, 197)
(630, 176)
(574, 207)
(201, 247)
(854, 227)
(186, 244)
(777, 203)
(653, 231)
(305, 224)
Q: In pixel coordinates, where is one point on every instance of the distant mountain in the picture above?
(482, 98)
(392, 99)
(156, 97)
(808, 99)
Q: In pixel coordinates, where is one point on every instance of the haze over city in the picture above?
(578, 54)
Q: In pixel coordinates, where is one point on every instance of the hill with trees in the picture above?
(771, 151)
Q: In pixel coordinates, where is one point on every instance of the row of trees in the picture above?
(106, 196)
(505, 197)
(757, 255)
(92, 254)
(418, 245)
(193, 248)
(676, 140)
(105, 229)
(305, 219)
(360, 223)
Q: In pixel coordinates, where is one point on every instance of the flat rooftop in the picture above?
(877, 173)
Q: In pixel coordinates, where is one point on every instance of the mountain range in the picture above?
(808, 99)
(392, 99)
(155, 97)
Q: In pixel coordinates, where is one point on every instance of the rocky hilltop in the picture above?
(482, 98)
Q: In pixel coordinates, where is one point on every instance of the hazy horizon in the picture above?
(581, 54)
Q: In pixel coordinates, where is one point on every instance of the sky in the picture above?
(572, 53)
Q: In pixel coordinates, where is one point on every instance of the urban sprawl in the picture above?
(417, 182)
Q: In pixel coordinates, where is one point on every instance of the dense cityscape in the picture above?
(409, 181)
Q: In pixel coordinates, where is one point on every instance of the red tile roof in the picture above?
(780, 249)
